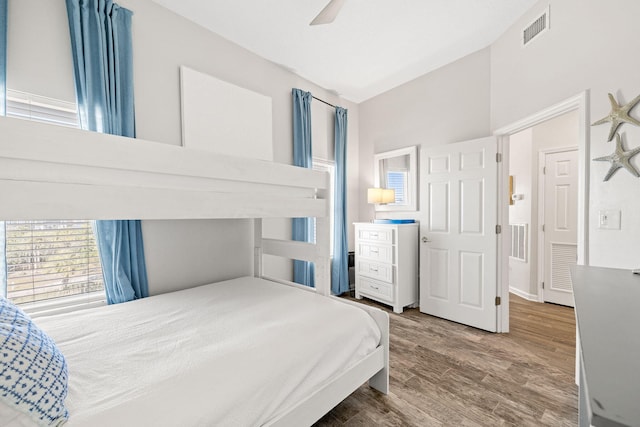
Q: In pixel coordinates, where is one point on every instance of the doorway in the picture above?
(473, 215)
(543, 172)
(573, 110)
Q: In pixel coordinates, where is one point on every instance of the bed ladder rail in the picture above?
(318, 253)
(49, 171)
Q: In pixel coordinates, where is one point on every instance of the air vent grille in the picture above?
(539, 25)
(519, 241)
(563, 256)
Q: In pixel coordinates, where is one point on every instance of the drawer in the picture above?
(375, 252)
(376, 289)
(382, 235)
(375, 270)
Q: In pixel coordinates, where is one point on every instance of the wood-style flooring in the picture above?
(447, 374)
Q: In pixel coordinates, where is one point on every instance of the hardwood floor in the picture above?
(447, 374)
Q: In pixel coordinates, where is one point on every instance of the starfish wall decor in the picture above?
(618, 115)
(620, 159)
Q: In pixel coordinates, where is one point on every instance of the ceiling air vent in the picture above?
(539, 25)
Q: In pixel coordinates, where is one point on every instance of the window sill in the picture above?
(65, 304)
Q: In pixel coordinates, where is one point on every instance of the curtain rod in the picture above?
(323, 101)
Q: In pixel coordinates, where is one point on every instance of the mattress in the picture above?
(237, 353)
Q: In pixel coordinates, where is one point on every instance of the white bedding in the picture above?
(235, 353)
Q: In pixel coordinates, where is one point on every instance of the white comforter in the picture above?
(233, 353)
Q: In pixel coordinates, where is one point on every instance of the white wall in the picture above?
(447, 105)
(168, 264)
(322, 130)
(40, 62)
(591, 46)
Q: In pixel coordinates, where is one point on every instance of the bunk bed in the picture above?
(44, 172)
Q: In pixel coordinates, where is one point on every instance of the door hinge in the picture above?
(498, 300)
(542, 285)
(544, 170)
(498, 157)
(498, 229)
(543, 228)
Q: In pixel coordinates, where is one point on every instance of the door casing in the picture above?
(579, 102)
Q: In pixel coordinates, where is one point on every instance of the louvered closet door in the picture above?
(560, 225)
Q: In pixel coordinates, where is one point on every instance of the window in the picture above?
(327, 166)
(397, 181)
(47, 110)
(397, 170)
(49, 260)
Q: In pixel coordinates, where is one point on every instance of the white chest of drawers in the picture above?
(386, 265)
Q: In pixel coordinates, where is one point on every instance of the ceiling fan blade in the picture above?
(329, 13)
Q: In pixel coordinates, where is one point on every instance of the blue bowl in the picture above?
(394, 221)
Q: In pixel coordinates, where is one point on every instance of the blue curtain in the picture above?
(102, 54)
(121, 250)
(303, 271)
(340, 262)
(3, 112)
(103, 65)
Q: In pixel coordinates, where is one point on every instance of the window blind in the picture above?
(398, 182)
(32, 107)
(49, 259)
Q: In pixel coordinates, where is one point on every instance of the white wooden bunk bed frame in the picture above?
(52, 172)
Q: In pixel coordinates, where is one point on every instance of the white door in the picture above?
(560, 224)
(458, 249)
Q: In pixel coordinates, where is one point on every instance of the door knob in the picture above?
(425, 239)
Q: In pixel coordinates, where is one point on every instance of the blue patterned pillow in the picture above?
(33, 372)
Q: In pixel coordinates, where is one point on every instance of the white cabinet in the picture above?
(387, 263)
(608, 344)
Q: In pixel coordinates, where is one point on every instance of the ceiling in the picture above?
(371, 47)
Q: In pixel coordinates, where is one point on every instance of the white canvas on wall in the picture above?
(223, 118)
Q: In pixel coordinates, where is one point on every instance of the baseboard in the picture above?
(523, 294)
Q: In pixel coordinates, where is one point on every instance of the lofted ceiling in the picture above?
(371, 47)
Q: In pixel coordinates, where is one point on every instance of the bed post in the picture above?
(323, 242)
(257, 248)
(380, 381)
(323, 258)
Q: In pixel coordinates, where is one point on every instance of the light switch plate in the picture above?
(609, 220)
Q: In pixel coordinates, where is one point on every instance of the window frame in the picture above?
(324, 165)
(411, 202)
(33, 107)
